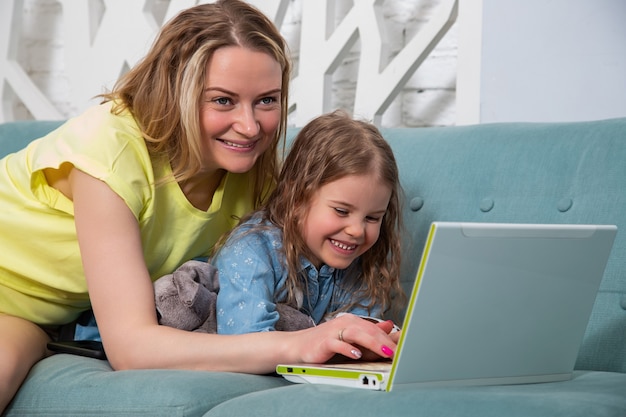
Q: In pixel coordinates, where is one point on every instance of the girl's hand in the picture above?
(390, 328)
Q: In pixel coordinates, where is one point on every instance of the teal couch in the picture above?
(526, 173)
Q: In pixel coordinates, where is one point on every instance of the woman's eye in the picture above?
(223, 101)
(267, 100)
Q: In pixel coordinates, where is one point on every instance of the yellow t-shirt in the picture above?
(41, 274)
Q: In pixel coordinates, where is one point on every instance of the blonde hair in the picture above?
(329, 148)
(164, 90)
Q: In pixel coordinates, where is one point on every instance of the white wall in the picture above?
(45, 48)
(538, 60)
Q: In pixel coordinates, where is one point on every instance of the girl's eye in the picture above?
(373, 219)
(341, 212)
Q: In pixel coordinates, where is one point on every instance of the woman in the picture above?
(95, 211)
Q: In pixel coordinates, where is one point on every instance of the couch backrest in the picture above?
(525, 173)
(15, 135)
(512, 172)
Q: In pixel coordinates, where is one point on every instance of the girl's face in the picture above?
(241, 108)
(344, 219)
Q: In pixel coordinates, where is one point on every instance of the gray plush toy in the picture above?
(186, 300)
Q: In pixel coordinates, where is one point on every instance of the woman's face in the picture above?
(241, 109)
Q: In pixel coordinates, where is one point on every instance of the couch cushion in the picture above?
(587, 394)
(66, 385)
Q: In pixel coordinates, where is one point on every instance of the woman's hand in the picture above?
(347, 335)
(388, 327)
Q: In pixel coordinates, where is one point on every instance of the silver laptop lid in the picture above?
(501, 303)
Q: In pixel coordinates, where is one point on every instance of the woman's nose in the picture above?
(246, 122)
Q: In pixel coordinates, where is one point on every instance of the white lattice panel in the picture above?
(103, 38)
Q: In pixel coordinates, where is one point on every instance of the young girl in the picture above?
(327, 240)
(132, 188)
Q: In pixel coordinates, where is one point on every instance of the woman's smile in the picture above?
(238, 145)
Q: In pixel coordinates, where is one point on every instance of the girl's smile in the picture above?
(343, 246)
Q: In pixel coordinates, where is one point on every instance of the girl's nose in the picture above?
(356, 229)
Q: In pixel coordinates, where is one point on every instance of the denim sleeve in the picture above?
(360, 311)
(246, 300)
(343, 298)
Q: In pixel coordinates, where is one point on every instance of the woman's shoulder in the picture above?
(97, 134)
(93, 130)
(104, 144)
(106, 119)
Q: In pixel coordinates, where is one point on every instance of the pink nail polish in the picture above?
(387, 351)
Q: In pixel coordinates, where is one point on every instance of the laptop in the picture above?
(492, 304)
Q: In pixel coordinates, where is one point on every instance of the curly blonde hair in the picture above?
(327, 149)
(164, 90)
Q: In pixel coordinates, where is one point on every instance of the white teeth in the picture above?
(342, 246)
(237, 145)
